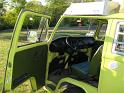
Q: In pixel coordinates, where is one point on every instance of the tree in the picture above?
(3, 7)
(79, 1)
(1, 4)
(18, 4)
(8, 20)
(34, 6)
(56, 8)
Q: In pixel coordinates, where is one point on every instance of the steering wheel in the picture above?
(70, 43)
(76, 43)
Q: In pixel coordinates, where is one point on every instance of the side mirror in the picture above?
(32, 37)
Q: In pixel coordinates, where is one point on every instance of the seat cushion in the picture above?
(80, 68)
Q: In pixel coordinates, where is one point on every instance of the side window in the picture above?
(118, 46)
(102, 32)
(34, 29)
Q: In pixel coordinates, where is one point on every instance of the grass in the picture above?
(5, 40)
(4, 47)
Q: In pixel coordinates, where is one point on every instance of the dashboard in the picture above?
(71, 44)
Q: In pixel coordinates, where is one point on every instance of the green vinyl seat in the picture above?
(91, 68)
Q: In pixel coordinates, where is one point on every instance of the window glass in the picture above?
(102, 32)
(34, 29)
(118, 46)
(121, 28)
(77, 27)
(85, 27)
(120, 38)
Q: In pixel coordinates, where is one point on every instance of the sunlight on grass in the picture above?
(4, 47)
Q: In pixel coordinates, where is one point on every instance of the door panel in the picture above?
(29, 60)
(30, 63)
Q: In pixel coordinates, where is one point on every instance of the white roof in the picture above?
(89, 8)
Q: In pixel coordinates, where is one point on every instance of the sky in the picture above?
(42, 1)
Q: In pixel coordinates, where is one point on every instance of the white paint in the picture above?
(113, 65)
(92, 8)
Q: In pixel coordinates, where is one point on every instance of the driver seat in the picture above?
(89, 69)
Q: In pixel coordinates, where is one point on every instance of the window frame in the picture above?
(115, 42)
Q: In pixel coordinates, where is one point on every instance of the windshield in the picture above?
(78, 27)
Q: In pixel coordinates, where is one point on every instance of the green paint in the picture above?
(110, 80)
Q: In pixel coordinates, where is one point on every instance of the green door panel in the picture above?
(27, 61)
(30, 63)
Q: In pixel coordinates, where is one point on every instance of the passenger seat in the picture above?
(91, 68)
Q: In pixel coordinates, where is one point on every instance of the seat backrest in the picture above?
(96, 62)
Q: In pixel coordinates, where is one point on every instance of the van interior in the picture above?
(78, 56)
